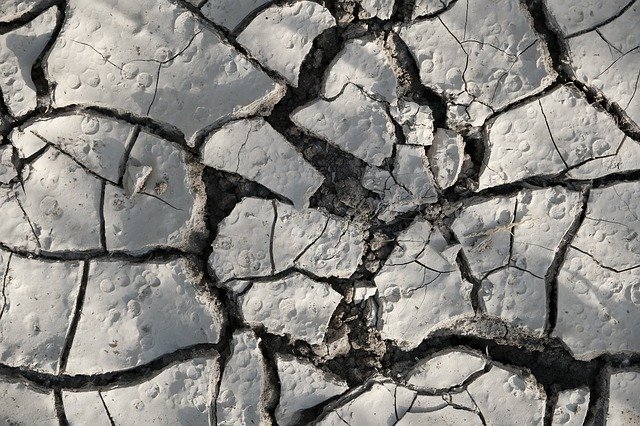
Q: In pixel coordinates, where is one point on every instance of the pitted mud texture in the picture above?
(361, 212)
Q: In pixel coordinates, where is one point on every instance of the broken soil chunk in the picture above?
(365, 64)
(607, 59)
(97, 142)
(280, 37)
(19, 50)
(420, 286)
(353, 122)
(14, 397)
(161, 204)
(283, 237)
(296, 305)
(181, 394)
(303, 386)
(38, 302)
(125, 64)
(243, 389)
(510, 243)
(446, 156)
(410, 184)
(445, 370)
(560, 132)
(416, 121)
(481, 65)
(135, 313)
(253, 149)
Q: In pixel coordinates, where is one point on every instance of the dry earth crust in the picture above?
(361, 212)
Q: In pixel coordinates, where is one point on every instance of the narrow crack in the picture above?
(611, 45)
(617, 59)
(58, 403)
(161, 200)
(272, 236)
(512, 230)
(553, 141)
(342, 419)
(101, 218)
(550, 406)
(602, 265)
(112, 379)
(44, 88)
(313, 242)
(445, 8)
(128, 147)
(105, 57)
(478, 412)
(477, 301)
(395, 403)
(75, 319)
(551, 276)
(59, 149)
(635, 90)
(31, 14)
(604, 22)
(155, 89)
(106, 409)
(629, 209)
(246, 139)
(5, 277)
(33, 229)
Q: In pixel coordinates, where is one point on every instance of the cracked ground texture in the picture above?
(361, 212)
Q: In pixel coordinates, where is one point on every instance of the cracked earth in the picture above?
(361, 212)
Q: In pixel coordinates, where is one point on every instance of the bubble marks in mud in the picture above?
(303, 386)
(180, 394)
(598, 287)
(510, 243)
(243, 390)
(280, 37)
(477, 64)
(571, 137)
(352, 121)
(420, 286)
(19, 50)
(255, 150)
(606, 58)
(128, 66)
(296, 306)
(283, 238)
